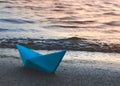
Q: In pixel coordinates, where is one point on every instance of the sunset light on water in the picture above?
(61, 19)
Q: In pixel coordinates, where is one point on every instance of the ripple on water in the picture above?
(113, 23)
(111, 14)
(95, 17)
(112, 31)
(5, 2)
(16, 21)
(17, 30)
(79, 22)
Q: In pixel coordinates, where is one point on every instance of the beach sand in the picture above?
(76, 69)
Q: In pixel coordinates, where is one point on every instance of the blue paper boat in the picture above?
(45, 63)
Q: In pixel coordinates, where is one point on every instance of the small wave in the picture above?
(73, 43)
(111, 13)
(13, 7)
(65, 26)
(68, 18)
(16, 21)
(11, 30)
(113, 23)
(17, 30)
(4, 12)
(74, 26)
(79, 22)
(112, 31)
(58, 10)
(5, 2)
(3, 30)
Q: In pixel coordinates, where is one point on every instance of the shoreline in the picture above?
(74, 44)
(76, 69)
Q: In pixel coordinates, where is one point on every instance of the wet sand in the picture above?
(76, 69)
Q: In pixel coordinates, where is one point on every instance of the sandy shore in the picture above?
(76, 69)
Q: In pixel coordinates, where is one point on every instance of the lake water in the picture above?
(56, 19)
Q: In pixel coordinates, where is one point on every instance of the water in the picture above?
(97, 20)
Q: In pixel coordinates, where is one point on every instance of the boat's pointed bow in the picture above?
(63, 51)
(56, 59)
(18, 46)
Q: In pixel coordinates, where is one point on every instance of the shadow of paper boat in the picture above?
(45, 63)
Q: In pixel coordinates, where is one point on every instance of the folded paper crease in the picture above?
(45, 63)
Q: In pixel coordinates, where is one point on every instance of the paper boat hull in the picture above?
(45, 63)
